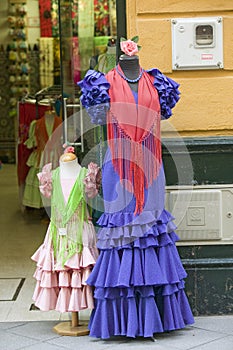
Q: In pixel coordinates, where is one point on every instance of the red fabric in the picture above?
(27, 113)
(101, 17)
(75, 61)
(45, 18)
(42, 136)
(134, 133)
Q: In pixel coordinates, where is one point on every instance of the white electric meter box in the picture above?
(201, 218)
(202, 213)
(197, 43)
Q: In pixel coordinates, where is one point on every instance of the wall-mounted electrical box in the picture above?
(197, 43)
(202, 218)
(202, 213)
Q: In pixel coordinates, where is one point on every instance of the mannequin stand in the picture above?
(73, 327)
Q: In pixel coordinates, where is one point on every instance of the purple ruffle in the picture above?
(139, 288)
(126, 218)
(142, 291)
(138, 292)
(125, 317)
(137, 267)
(95, 97)
(139, 316)
(92, 80)
(167, 90)
(145, 231)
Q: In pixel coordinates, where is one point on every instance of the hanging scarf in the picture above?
(61, 215)
(134, 133)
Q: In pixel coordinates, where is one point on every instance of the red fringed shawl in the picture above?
(134, 134)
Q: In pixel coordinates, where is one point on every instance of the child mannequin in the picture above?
(68, 253)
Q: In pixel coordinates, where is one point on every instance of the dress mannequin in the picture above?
(69, 265)
(69, 170)
(138, 277)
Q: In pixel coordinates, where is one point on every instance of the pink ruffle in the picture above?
(74, 261)
(87, 257)
(75, 303)
(47, 299)
(45, 180)
(63, 288)
(63, 300)
(92, 180)
(76, 280)
(48, 279)
(62, 296)
(87, 299)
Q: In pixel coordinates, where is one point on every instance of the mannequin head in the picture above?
(68, 157)
(68, 154)
(112, 42)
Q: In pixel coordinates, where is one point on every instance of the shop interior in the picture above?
(46, 47)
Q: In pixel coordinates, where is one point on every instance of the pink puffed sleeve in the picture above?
(92, 180)
(45, 180)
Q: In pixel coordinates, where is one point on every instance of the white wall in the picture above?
(33, 33)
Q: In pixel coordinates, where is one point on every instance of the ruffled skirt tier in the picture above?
(139, 285)
(64, 288)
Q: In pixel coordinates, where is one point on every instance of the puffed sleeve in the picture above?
(92, 180)
(168, 91)
(45, 180)
(95, 98)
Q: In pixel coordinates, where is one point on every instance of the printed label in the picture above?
(207, 56)
(62, 231)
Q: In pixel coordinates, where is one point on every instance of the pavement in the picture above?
(208, 333)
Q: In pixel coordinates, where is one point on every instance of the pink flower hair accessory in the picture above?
(130, 46)
(68, 149)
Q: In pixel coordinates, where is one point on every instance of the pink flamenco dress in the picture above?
(138, 278)
(65, 259)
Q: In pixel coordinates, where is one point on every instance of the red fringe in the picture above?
(137, 162)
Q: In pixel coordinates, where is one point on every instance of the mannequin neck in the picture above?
(130, 66)
(131, 69)
(50, 114)
(69, 169)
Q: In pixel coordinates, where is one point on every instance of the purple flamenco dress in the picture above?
(138, 278)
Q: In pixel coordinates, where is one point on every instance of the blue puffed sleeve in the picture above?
(95, 97)
(168, 92)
